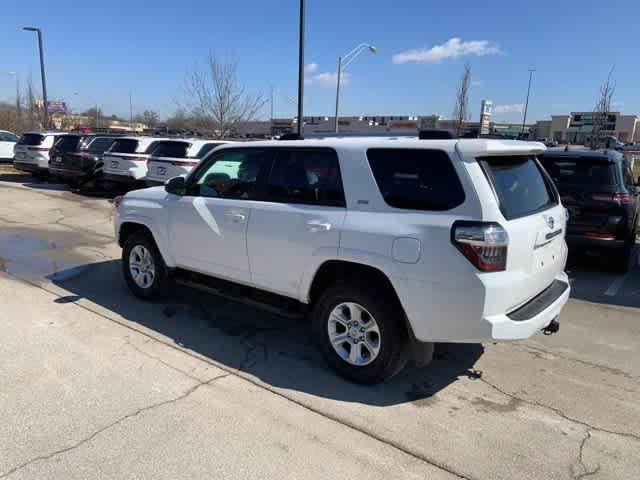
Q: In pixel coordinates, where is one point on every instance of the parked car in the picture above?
(126, 160)
(391, 244)
(599, 190)
(172, 158)
(31, 153)
(76, 158)
(8, 141)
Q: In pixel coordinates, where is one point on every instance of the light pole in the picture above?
(301, 71)
(44, 81)
(526, 105)
(343, 62)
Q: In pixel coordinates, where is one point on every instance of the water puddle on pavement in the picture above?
(32, 254)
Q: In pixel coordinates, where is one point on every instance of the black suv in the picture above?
(77, 158)
(601, 195)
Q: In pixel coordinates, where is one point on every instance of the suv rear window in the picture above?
(580, 170)
(206, 149)
(124, 145)
(519, 183)
(31, 139)
(171, 149)
(67, 143)
(100, 144)
(416, 179)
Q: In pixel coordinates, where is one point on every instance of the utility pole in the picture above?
(526, 105)
(338, 92)
(42, 75)
(301, 71)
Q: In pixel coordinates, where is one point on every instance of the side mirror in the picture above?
(176, 186)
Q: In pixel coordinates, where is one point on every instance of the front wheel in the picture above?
(143, 267)
(361, 333)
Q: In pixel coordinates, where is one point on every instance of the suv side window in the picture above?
(627, 176)
(416, 179)
(306, 176)
(230, 174)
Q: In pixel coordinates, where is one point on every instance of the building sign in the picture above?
(485, 116)
(56, 106)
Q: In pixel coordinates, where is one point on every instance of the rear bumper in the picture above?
(123, 179)
(67, 173)
(535, 315)
(579, 243)
(29, 167)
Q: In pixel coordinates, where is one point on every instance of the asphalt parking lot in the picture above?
(98, 384)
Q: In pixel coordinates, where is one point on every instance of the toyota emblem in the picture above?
(550, 222)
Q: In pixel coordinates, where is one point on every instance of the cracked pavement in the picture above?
(97, 384)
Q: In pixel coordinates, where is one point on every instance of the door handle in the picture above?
(236, 217)
(313, 226)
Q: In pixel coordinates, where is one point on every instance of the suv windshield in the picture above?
(31, 139)
(519, 183)
(171, 149)
(416, 179)
(124, 145)
(206, 149)
(580, 170)
(67, 143)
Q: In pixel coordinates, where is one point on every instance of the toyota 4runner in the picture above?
(390, 244)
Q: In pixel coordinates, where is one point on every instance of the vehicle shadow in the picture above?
(88, 189)
(277, 350)
(594, 280)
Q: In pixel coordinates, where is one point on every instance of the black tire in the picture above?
(394, 345)
(160, 285)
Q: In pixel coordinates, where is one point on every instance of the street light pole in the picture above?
(343, 62)
(526, 105)
(301, 71)
(42, 74)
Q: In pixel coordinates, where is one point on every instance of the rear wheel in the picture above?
(361, 333)
(143, 267)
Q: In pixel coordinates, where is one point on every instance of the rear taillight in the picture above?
(484, 244)
(38, 149)
(619, 198)
(138, 159)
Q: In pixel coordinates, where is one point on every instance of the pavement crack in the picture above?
(160, 360)
(559, 412)
(89, 438)
(585, 471)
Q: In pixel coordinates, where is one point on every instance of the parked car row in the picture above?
(76, 158)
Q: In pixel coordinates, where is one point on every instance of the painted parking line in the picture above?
(616, 285)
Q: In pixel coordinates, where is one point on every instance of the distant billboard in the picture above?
(485, 116)
(56, 106)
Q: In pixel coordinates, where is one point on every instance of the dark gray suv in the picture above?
(601, 195)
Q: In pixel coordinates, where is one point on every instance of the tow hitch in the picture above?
(552, 328)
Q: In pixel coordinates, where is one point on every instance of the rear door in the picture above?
(28, 146)
(534, 220)
(299, 219)
(67, 144)
(587, 186)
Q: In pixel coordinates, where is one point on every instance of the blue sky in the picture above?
(99, 51)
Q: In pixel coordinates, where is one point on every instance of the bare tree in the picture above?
(461, 112)
(18, 119)
(602, 110)
(180, 121)
(217, 100)
(33, 110)
(148, 117)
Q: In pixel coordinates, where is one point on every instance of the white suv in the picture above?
(125, 162)
(31, 153)
(172, 158)
(391, 244)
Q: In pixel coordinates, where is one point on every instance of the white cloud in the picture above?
(508, 108)
(452, 48)
(617, 103)
(328, 79)
(311, 68)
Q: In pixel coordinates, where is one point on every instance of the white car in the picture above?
(391, 244)
(8, 141)
(125, 162)
(31, 153)
(172, 158)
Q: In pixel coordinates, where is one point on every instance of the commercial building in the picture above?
(577, 127)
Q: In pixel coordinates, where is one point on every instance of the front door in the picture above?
(208, 225)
